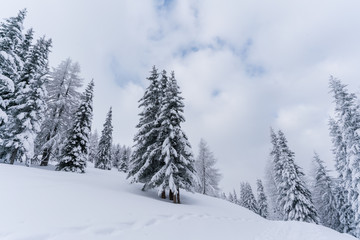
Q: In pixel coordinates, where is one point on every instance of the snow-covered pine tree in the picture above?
(235, 198)
(27, 106)
(176, 159)
(143, 161)
(103, 157)
(75, 151)
(63, 99)
(324, 196)
(230, 197)
(294, 198)
(247, 198)
(116, 155)
(261, 200)
(275, 212)
(345, 133)
(93, 144)
(124, 159)
(208, 175)
(11, 64)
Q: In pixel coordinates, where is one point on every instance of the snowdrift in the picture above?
(39, 204)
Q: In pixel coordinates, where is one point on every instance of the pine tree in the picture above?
(143, 161)
(93, 144)
(247, 198)
(345, 134)
(124, 159)
(208, 175)
(11, 64)
(324, 196)
(294, 198)
(116, 151)
(262, 200)
(176, 159)
(271, 186)
(27, 105)
(63, 99)
(75, 151)
(103, 159)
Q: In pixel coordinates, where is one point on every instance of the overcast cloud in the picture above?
(243, 66)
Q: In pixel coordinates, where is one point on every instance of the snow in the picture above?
(39, 203)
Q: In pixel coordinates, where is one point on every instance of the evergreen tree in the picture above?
(324, 196)
(294, 198)
(344, 131)
(230, 197)
(143, 161)
(11, 64)
(63, 99)
(27, 105)
(116, 151)
(103, 158)
(208, 175)
(93, 145)
(75, 151)
(177, 162)
(247, 198)
(124, 159)
(271, 186)
(262, 200)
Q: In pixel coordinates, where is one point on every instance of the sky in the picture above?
(242, 66)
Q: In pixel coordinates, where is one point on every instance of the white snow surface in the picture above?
(39, 203)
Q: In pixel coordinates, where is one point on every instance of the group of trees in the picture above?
(43, 116)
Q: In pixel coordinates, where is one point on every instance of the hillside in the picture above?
(43, 204)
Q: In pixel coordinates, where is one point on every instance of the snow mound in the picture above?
(43, 204)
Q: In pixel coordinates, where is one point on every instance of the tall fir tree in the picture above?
(143, 161)
(11, 63)
(345, 133)
(103, 158)
(247, 198)
(62, 100)
(27, 105)
(324, 195)
(294, 198)
(275, 212)
(208, 175)
(261, 200)
(176, 159)
(75, 151)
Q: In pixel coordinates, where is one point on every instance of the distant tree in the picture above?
(27, 105)
(124, 159)
(103, 157)
(294, 198)
(62, 101)
(262, 200)
(208, 175)
(324, 195)
(247, 198)
(230, 197)
(116, 155)
(75, 151)
(93, 145)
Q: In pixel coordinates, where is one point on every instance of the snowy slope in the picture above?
(43, 204)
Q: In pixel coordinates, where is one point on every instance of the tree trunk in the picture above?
(45, 157)
(171, 195)
(163, 195)
(178, 196)
(174, 198)
(13, 156)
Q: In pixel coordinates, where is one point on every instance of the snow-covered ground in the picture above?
(43, 204)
